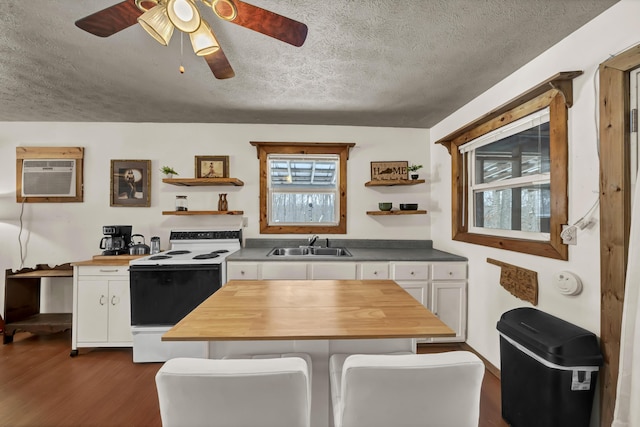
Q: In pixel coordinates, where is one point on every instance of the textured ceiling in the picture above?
(368, 63)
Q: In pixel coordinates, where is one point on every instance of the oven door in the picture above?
(164, 294)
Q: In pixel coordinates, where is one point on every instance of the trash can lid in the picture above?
(551, 338)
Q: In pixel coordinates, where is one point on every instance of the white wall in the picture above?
(55, 233)
(612, 32)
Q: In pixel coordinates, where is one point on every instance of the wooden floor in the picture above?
(40, 385)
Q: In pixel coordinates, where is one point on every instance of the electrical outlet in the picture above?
(569, 235)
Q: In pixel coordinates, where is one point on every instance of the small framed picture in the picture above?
(384, 171)
(131, 183)
(212, 166)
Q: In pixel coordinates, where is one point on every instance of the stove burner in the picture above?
(220, 251)
(160, 257)
(206, 256)
(181, 252)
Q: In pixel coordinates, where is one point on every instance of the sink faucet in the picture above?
(313, 239)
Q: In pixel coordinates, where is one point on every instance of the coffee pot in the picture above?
(116, 240)
(112, 244)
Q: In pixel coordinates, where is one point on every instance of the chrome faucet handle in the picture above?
(313, 239)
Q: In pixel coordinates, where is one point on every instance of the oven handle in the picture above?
(168, 267)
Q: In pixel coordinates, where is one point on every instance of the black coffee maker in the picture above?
(116, 240)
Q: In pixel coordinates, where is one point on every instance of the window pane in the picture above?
(286, 172)
(303, 189)
(303, 208)
(522, 154)
(523, 208)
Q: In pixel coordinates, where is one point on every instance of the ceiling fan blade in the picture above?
(219, 64)
(111, 20)
(270, 23)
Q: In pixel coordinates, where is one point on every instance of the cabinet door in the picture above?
(119, 311)
(93, 300)
(284, 270)
(333, 270)
(418, 291)
(242, 271)
(449, 303)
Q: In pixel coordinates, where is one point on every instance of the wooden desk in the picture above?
(22, 302)
(318, 317)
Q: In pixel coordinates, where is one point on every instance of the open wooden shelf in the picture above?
(201, 182)
(389, 183)
(202, 212)
(416, 212)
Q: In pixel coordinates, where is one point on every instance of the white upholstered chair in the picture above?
(271, 392)
(439, 390)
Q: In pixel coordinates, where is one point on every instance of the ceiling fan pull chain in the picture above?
(181, 69)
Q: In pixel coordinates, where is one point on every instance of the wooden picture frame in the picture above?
(389, 171)
(131, 183)
(212, 167)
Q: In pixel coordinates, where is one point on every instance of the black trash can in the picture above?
(548, 368)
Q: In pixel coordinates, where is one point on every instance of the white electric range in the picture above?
(166, 286)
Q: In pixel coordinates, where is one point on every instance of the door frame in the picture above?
(615, 214)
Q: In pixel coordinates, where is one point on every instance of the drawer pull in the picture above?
(242, 272)
(375, 273)
(114, 300)
(102, 301)
(114, 270)
(412, 273)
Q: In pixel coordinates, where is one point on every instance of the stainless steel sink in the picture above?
(309, 251)
(330, 251)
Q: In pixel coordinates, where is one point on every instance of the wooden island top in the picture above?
(308, 310)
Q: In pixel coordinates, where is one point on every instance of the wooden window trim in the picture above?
(266, 148)
(76, 153)
(555, 93)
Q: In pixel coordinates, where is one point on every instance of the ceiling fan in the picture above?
(160, 17)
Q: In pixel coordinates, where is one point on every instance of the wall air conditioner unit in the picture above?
(49, 178)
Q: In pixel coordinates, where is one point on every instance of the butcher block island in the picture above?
(308, 310)
(316, 317)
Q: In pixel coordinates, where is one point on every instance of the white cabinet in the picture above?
(284, 270)
(243, 271)
(101, 307)
(449, 302)
(449, 297)
(440, 287)
(332, 270)
(374, 271)
(291, 270)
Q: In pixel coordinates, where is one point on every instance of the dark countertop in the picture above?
(361, 251)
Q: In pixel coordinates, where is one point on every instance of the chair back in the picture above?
(438, 390)
(234, 392)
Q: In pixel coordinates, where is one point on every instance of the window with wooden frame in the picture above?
(509, 172)
(303, 187)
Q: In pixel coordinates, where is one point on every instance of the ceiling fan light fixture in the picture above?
(156, 22)
(225, 9)
(184, 15)
(203, 40)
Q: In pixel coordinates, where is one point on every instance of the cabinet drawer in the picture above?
(374, 271)
(333, 271)
(104, 270)
(410, 271)
(449, 271)
(241, 271)
(284, 270)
